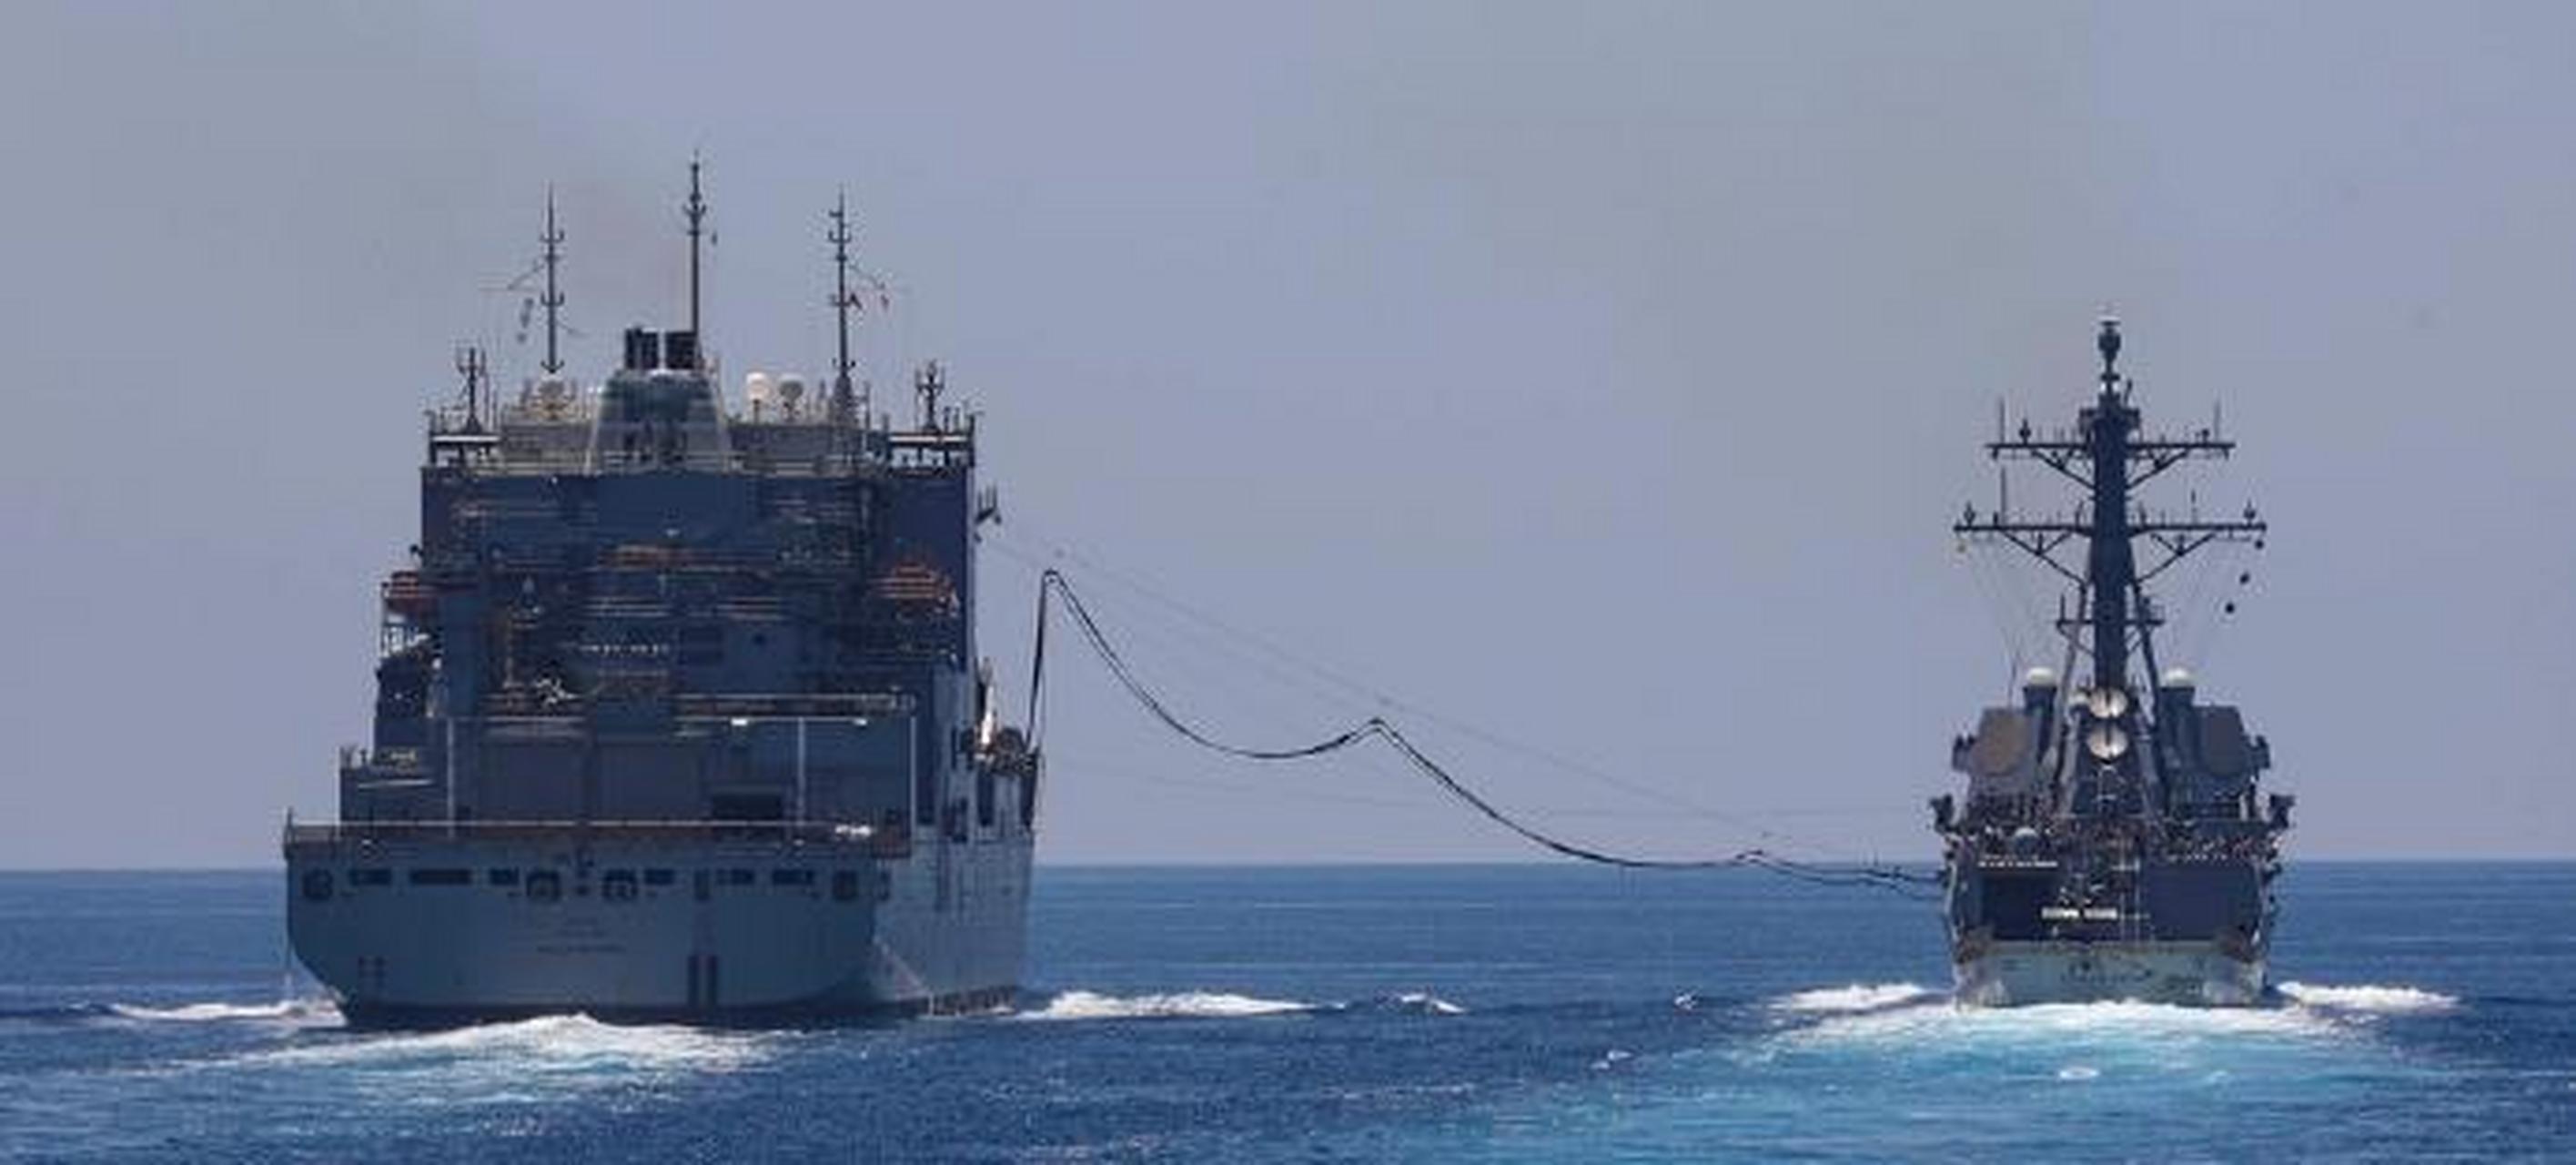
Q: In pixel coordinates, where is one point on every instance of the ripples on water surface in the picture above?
(1510, 1013)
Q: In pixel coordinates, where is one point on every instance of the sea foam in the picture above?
(554, 1044)
(2367, 997)
(1929, 1021)
(1420, 1003)
(304, 1011)
(1854, 998)
(1173, 1005)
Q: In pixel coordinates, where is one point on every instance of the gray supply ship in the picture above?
(678, 711)
(2112, 842)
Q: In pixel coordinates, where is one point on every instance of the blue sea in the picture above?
(1504, 1013)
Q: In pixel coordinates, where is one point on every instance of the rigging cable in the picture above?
(1269, 657)
(1054, 589)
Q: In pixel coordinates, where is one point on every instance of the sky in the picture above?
(1589, 388)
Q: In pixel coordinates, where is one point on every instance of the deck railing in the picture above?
(877, 841)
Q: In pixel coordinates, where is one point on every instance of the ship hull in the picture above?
(2193, 931)
(2186, 973)
(431, 932)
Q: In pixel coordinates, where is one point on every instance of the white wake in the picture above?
(2367, 997)
(314, 1012)
(1225, 1005)
(1855, 997)
(1424, 1003)
(548, 1046)
(1172, 1005)
(1901, 1015)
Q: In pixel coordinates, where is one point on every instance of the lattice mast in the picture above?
(845, 403)
(2108, 457)
(554, 300)
(695, 209)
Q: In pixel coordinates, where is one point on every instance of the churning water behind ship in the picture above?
(1531, 1013)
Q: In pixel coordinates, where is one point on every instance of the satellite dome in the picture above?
(2039, 677)
(2176, 677)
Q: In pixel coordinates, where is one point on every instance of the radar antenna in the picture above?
(2107, 342)
(553, 301)
(2108, 458)
(696, 209)
(469, 364)
(844, 399)
(930, 382)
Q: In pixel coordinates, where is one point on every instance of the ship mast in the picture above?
(844, 399)
(470, 365)
(696, 209)
(2107, 457)
(929, 383)
(553, 301)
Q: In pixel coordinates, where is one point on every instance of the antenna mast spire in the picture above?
(469, 364)
(843, 398)
(553, 239)
(930, 382)
(2107, 458)
(696, 209)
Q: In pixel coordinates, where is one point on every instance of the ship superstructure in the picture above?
(2112, 842)
(679, 712)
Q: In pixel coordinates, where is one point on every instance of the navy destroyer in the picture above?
(2112, 842)
(678, 712)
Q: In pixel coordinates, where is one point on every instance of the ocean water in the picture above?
(1512, 1013)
